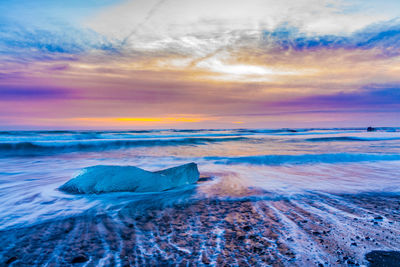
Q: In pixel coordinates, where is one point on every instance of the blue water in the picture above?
(276, 161)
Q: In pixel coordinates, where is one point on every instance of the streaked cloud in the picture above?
(11, 93)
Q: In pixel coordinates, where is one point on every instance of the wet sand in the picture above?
(317, 229)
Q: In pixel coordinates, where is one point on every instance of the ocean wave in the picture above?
(350, 139)
(197, 130)
(305, 159)
(272, 131)
(93, 135)
(319, 130)
(62, 146)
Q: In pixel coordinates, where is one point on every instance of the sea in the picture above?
(233, 163)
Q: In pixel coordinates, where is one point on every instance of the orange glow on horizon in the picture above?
(143, 120)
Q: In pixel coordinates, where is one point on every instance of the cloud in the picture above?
(149, 29)
(372, 97)
(143, 25)
(148, 16)
(383, 35)
(184, 17)
(61, 42)
(13, 93)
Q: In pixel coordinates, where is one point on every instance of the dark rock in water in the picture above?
(79, 259)
(241, 237)
(204, 179)
(371, 129)
(11, 260)
(247, 228)
(383, 258)
(292, 131)
(105, 178)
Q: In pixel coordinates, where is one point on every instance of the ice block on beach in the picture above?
(107, 178)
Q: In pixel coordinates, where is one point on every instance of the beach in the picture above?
(253, 231)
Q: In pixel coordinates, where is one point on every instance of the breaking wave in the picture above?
(350, 139)
(305, 159)
(65, 146)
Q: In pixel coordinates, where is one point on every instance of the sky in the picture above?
(141, 64)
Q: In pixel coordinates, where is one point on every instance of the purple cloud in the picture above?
(12, 93)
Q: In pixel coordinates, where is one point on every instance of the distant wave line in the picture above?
(305, 159)
(350, 138)
(103, 144)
